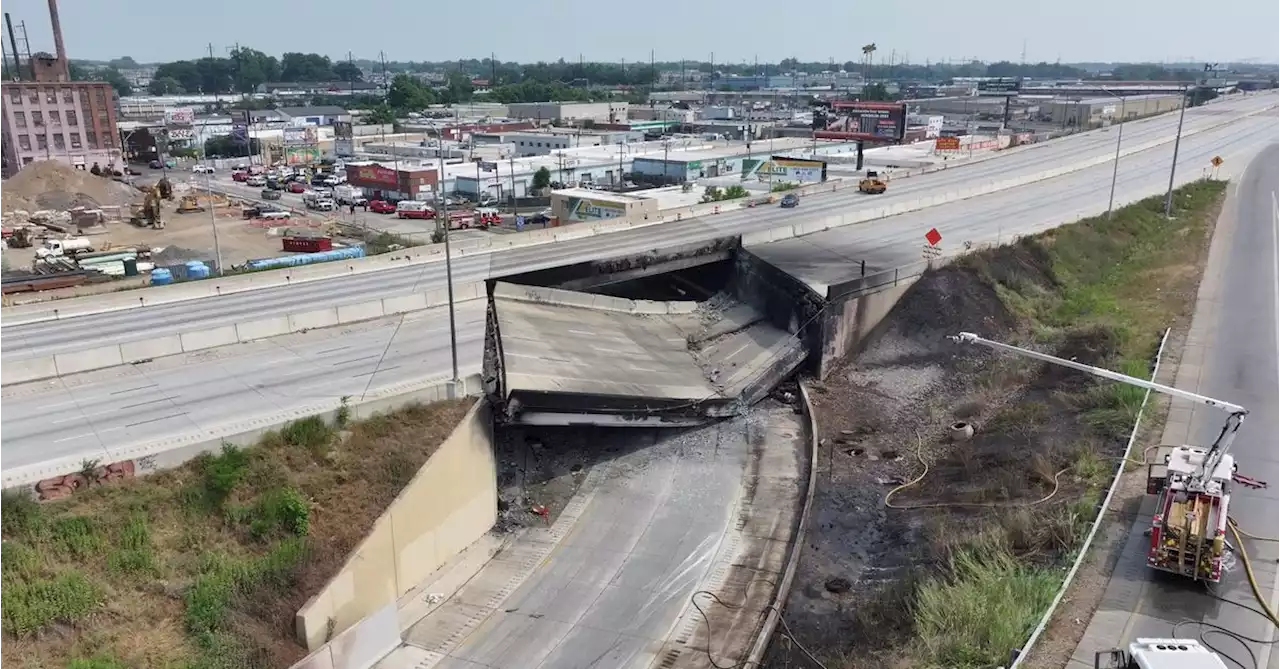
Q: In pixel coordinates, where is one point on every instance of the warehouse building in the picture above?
(1095, 111)
(582, 204)
(569, 112)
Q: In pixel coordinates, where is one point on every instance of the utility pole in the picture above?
(217, 103)
(619, 189)
(1173, 167)
(386, 86)
(442, 205)
(511, 167)
(352, 82)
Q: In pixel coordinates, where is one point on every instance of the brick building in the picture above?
(46, 116)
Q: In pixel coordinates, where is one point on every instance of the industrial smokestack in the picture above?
(13, 47)
(58, 46)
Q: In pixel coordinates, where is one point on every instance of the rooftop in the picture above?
(322, 110)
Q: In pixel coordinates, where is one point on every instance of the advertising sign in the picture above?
(373, 176)
(179, 116)
(793, 169)
(342, 130)
(180, 134)
(999, 87)
(295, 136)
(344, 148)
(488, 166)
(947, 144)
(301, 155)
(582, 209)
(868, 121)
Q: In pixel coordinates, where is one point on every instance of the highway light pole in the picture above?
(1173, 167)
(443, 213)
(1115, 168)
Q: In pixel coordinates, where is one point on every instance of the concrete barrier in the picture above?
(360, 646)
(451, 502)
(169, 452)
(35, 369)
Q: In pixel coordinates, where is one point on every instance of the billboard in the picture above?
(301, 155)
(295, 136)
(342, 130)
(867, 121)
(179, 134)
(179, 116)
(999, 87)
(779, 168)
(344, 148)
(582, 209)
(947, 144)
(373, 176)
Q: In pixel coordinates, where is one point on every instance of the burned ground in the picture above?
(926, 552)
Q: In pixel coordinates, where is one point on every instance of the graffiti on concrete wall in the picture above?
(59, 487)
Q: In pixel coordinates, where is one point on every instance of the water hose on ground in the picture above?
(1248, 570)
(953, 505)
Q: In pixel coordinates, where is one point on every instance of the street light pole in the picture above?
(448, 265)
(1115, 168)
(1168, 196)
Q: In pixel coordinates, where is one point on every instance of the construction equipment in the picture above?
(1159, 654)
(1192, 485)
(20, 239)
(188, 204)
(147, 213)
(872, 184)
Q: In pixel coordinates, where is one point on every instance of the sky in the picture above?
(737, 31)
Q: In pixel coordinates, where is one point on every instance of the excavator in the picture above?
(1192, 484)
(147, 214)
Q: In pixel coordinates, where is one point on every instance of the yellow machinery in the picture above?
(872, 184)
(147, 213)
(188, 204)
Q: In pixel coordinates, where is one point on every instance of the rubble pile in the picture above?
(49, 184)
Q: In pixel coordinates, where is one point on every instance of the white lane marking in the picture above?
(1275, 276)
(87, 434)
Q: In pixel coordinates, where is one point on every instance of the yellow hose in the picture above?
(952, 505)
(1248, 570)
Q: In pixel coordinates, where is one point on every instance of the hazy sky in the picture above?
(529, 30)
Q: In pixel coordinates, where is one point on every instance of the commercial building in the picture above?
(402, 182)
(1095, 111)
(323, 115)
(603, 112)
(582, 204)
(544, 142)
(49, 117)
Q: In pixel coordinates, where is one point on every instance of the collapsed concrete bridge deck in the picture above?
(560, 357)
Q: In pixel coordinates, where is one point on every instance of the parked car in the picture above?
(202, 169)
(790, 200)
(240, 176)
(255, 181)
(381, 207)
(297, 187)
(155, 164)
(269, 194)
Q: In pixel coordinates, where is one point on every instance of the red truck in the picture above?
(307, 244)
(381, 207)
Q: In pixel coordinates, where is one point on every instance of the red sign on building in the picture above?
(373, 175)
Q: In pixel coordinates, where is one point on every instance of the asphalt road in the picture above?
(109, 328)
(84, 414)
(1239, 365)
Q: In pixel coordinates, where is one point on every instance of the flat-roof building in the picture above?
(604, 112)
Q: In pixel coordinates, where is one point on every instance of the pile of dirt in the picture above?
(176, 255)
(946, 301)
(49, 184)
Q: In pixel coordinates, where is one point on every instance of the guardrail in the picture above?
(57, 477)
(23, 370)
(1022, 653)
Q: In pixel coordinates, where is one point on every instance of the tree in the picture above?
(408, 94)
(121, 85)
(228, 146)
(459, 88)
(347, 72)
(305, 67)
(165, 86)
(253, 68)
(124, 63)
(876, 92)
(542, 178)
(380, 114)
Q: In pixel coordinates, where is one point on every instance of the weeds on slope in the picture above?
(203, 566)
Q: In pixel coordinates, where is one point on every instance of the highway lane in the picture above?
(834, 256)
(1238, 363)
(109, 328)
(84, 414)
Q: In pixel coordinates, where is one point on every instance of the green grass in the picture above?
(985, 605)
(31, 605)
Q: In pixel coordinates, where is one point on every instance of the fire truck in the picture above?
(1192, 484)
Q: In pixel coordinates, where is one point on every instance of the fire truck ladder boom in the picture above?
(1215, 452)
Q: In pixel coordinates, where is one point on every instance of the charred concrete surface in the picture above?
(604, 272)
(557, 357)
(665, 557)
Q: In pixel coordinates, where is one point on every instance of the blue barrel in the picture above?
(161, 276)
(197, 270)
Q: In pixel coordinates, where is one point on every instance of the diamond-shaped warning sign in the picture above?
(933, 236)
(1217, 160)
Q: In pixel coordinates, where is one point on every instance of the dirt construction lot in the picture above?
(925, 551)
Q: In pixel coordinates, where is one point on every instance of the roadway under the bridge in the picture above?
(560, 357)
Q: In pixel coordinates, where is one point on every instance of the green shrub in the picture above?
(97, 662)
(223, 472)
(311, 433)
(20, 514)
(31, 606)
(20, 561)
(77, 536)
(280, 510)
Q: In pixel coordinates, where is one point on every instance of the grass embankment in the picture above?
(204, 566)
(1123, 281)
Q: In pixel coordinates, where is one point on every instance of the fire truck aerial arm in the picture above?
(1233, 409)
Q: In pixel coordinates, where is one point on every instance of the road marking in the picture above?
(75, 436)
(130, 390)
(1275, 276)
(155, 420)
